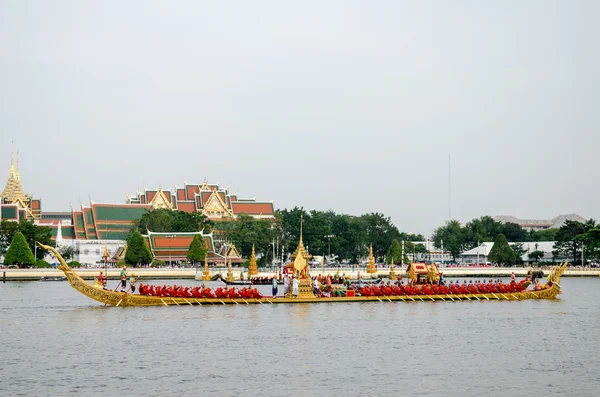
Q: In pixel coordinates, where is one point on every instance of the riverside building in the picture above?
(91, 228)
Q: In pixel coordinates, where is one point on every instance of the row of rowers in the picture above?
(198, 292)
(442, 289)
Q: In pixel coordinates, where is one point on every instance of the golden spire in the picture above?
(371, 264)
(206, 273)
(253, 268)
(12, 162)
(300, 242)
(300, 257)
(17, 176)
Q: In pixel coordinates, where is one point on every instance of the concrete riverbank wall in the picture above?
(190, 273)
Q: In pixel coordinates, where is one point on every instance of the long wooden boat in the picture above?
(115, 298)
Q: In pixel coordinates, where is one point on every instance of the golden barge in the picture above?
(116, 298)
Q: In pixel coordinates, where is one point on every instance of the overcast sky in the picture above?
(352, 106)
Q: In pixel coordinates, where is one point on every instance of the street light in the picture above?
(329, 237)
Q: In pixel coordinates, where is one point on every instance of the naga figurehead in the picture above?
(556, 272)
(63, 264)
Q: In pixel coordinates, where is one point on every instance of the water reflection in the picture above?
(62, 343)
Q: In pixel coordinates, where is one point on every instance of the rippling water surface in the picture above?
(56, 342)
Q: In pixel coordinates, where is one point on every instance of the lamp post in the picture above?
(329, 237)
(402, 258)
(274, 263)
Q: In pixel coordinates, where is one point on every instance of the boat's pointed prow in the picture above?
(556, 273)
(87, 289)
(63, 264)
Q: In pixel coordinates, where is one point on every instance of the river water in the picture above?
(57, 342)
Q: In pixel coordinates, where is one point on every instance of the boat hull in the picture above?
(122, 299)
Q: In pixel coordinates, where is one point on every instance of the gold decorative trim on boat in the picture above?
(116, 298)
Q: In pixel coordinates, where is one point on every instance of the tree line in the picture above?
(28, 234)
(346, 237)
(569, 238)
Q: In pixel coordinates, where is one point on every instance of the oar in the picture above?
(450, 297)
(134, 281)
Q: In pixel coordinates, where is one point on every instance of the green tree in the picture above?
(591, 239)
(543, 235)
(19, 252)
(67, 252)
(7, 232)
(501, 252)
(33, 234)
(535, 256)
(569, 240)
(380, 231)
(519, 252)
(452, 236)
(246, 230)
(395, 253)
(137, 252)
(197, 250)
(481, 229)
(42, 264)
(514, 232)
